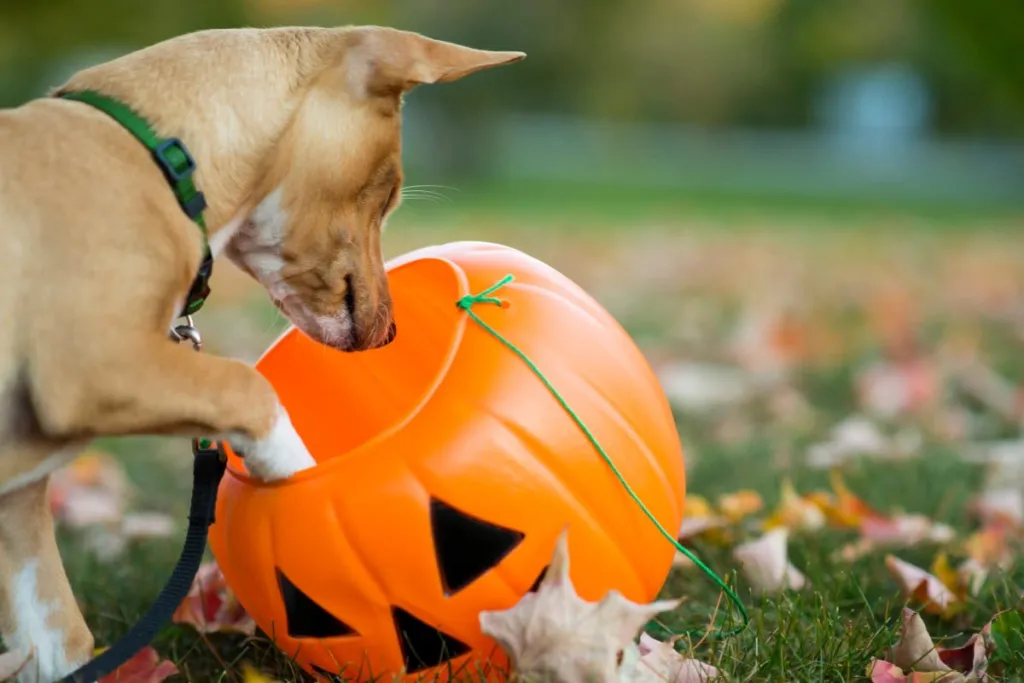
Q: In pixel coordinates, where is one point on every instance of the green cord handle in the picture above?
(466, 303)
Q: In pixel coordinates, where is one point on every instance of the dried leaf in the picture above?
(554, 635)
(211, 605)
(904, 531)
(915, 648)
(252, 675)
(795, 512)
(989, 547)
(144, 667)
(92, 489)
(661, 663)
(847, 510)
(740, 504)
(765, 563)
(1004, 506)
(854, 436)
(880, 671)
(919, 585)
(892, 389)
(702, 520)
(702, 388)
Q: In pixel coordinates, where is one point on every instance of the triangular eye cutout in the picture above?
(467, 547)
(423, 646)
(306, 619)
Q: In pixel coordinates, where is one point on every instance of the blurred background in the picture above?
(875, 99)
(808, 213)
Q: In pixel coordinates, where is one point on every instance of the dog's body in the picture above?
(296, 137)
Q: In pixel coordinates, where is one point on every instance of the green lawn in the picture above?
(677, 272)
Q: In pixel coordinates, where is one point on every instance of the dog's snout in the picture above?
(392, 333)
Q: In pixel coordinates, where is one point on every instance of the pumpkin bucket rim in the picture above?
(236, 470)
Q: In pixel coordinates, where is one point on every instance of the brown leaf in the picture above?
(740, 504)
(919, 585)
(1003, 506)
(92, 489)
(765, 563)
(660, 662)
(145, 667)
(211, 605)
(915, 649)
(554, 635)
(794, 512)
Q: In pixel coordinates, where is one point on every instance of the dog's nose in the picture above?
(392, 333)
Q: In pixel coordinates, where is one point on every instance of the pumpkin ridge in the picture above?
(615, 412)
(531, 446)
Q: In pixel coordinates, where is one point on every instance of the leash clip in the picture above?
(187, 332)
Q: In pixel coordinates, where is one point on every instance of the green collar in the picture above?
(178, 167)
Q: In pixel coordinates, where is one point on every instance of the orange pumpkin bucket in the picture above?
(447, 470)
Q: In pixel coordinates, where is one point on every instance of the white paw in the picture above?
(278, 456)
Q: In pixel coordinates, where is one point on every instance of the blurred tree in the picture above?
(36, 34)
(708, 62)
(977, 63)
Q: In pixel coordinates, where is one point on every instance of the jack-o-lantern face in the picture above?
(446, 472)
(466, 548)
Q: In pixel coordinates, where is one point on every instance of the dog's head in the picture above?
(313, 235)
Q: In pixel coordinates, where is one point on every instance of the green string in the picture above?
(466, 303)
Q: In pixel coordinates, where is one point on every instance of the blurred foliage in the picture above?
(706, 62)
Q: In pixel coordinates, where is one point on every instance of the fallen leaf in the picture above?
(1000, 506)
(144, 667)
(701, 520)
(252, 675)
(92, 489)
(740, 504)
(903, 530)
(854, 436)
(846, 509)
(950, 578)
(795, 512)
(890, 389)
(765, 563)
(919, 585)
(915, 648)
(702, 388)
(552, 634)
(990, 547)
(660, 661)
(880, 671)
(211, 605)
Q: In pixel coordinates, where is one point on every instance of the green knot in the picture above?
(467, 302)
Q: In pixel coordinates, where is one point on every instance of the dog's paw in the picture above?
(278, 456)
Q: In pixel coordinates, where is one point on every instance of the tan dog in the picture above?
(296, 137)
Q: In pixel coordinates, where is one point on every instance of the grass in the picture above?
(828, 633)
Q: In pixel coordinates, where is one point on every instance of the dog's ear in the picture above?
(385, 62)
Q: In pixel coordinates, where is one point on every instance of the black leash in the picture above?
(207, 470)
(208, 467)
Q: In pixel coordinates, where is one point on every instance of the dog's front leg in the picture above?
(154, 386)
(38, 612)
